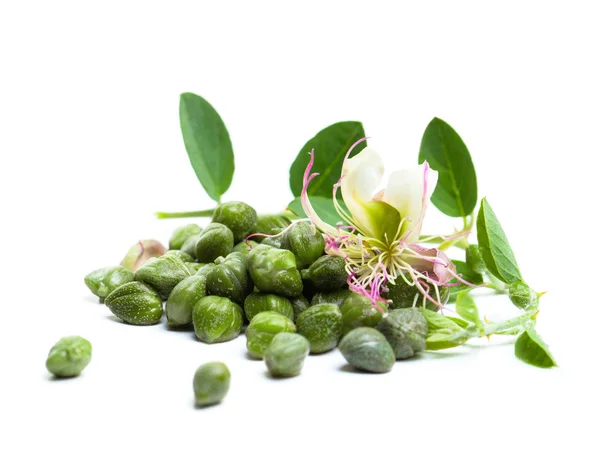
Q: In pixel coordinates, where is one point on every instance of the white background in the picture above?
(90, 147)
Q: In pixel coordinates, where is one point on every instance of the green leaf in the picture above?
(443, 331)
(467, 309)
(530, 348)
(495, 249)
(207, 143)
(330, 145)
(467, 274)
(456, 191)
(323, 206)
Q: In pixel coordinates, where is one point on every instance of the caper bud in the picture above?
(189, 246)
(367, 349)
(162, 274)
(229, 278)
(270, 224)
(327, 273)
(244, 246)
(103, 281)
(238, 216)
(337, 297)
(274, 241)
(216, 319)
(258, 302)
(214, 241)
(182, 255)
(358, 311)
(181, 234)
(183, 298)
(69, 356)
(321, 325)
(523, 296)
(135, 303)
(299, 303)
(211, 383)
(406, 331)
(274, 271)
(305, 241)
(262, 328)
(286, 354)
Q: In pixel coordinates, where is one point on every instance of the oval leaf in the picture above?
(467, 309)
(323, 206)
(330, 145)
(207, 143)
(495, 249)
(530, 348)
(456, 191)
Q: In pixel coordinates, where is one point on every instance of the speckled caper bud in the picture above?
(135, 303)
(205, 268)
(258, 302)
(262, 328)
(405, 296)
(211, 383)
(406, 331)
(181, 234)
(214, 241)
(358, 311)
(189, 246)
(141, 252)
(327, 273)
(194, 267)
(305, 241)
(367, 349)
(244, 247)
(321, 325)
(216, 319)
(103, 281)
(523, 296)
(337, 297)
(274, 241)
(162, 274)
(69, 356)
(299, 303)
(474, 259)
(238, 216)
(229, 278)
(274, 271)
(182, 255)
(183, 298)
(286, 354)
(270, 224)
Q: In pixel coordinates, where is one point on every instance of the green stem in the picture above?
(186, 214)
(495, 283)
(518, 322)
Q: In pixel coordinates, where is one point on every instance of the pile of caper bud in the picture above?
(266, 274)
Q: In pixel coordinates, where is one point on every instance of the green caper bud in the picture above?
(162, 274)
(229, 278)
(523, 296)
(69, 356)
(367, 349)
(135, 303)
(474, 259)
(216, 319)
(337, 297)
(244, 247)
(205, 269)
(405, 296)
(327, 273)
(258, 302)
(262, 328)
(299, 304)
(103, 281)
(141, 252)
(406, 331)
(305, 241)
(274, 241)
(183, 298)
(270, 224)
(194, 267)
(189, 246)
(238, 216)
(358, 311)
(322, 326)
(274, 271)
(182, 255)
(181, 234)
(286, 354)
(214, 241)
(211, 383)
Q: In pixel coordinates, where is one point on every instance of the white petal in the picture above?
(409, 191)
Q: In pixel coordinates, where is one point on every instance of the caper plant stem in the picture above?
(510, 324)
(495, 283)
(186, 214)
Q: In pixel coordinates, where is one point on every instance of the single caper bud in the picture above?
(194, 267)
(305, 241)
(406, 331)
(103, 281)
(321, 325)
(189, 246)
(262, 328)
(358, 311)
(523, 296)
(205, 269)
(211, 383)
(258, 302)
(299, 304)
(183, 298)
(214, 241)
(229, 278)
(69, 356)
(216, 319)
(403, 295)
(367, 349)
(337, 297)
(135, 303)
(244, 246)
(182, 255)
(270, 224)
(181, 234)
(274, 241)
(238, 216)
(274, 271)
(163, 273)
(327, 273)
(474, 259)
(286, 354)
(141, 252)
